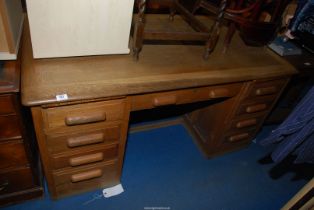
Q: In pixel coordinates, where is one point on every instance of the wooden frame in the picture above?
(202, 33)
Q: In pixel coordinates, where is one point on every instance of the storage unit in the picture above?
(82, 145)
(20, 173)
(78, 27)
(11, 24)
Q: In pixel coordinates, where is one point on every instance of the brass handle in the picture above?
(4, 185)
(86, 175)
(256, 108)
(246, 123)
(238, 137)
(165, 100)
(93, 138)
(266, 91)
(77, 161)
(219, 93)
(90, 118)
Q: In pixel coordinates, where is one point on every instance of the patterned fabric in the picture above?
(296, 134)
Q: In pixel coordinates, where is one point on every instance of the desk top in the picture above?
(160, 68)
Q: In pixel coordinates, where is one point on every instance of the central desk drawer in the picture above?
(153, 100)
(65, 117)
(84, 157)
(84, 139)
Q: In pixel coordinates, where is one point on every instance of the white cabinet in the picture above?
(11, 24)
(62, 28)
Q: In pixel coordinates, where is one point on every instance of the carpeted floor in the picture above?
(164, 169)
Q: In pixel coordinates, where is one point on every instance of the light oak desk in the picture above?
(82, 139)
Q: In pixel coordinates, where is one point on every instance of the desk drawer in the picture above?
(249, 122)
(257, 106)
(12, 154)
(9, 127)
(153, 100)
(84, 139)
(65, 117)
(84, 157)
(264, 88)
(6, 105)
(16, 180)
(234, 137)
(96, 176)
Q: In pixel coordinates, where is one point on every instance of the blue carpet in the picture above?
(163, 168)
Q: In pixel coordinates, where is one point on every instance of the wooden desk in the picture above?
(82, 139)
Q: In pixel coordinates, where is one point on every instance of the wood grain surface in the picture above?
(161, 68)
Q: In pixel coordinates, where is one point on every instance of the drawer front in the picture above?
(234, 137)
(16, 180)
(256, 106)
(75, 181)
(153, 100)
(67, 117)
(250, 122)
(6, 105)
(9, 127)
(84, 157)
(12, 154)
(85, 139)
(264, 88)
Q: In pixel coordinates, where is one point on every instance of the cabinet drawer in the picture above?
(83, 114)
(97, 176)
(259, 105)
(234, 137)
(83, 157)
(9, 127)
(16, 180)
(6, 105)
(12, 154)
(152, 100)
(253, 121)
(264, 88)
(84, 139)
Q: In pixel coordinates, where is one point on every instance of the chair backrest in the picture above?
(258, 21)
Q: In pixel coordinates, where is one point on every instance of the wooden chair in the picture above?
(257, 21)
(201, 32)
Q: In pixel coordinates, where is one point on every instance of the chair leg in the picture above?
(229, 35)
(138, 34)
(172, 11)
(196, 6)
(215, 30)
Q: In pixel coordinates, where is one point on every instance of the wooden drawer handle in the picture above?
(77, 161)
(165, 100)
(93, 138)
(88, 118)
(219, 93)
(86, 175)
(256, 108)
(238, 137)
(266, 91)
(246, 123)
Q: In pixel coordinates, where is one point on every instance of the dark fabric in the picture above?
(296, 134)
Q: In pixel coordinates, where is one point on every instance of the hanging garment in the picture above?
(296, 134)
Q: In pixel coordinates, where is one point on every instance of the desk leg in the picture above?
(208, 126)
